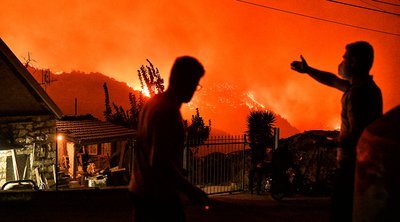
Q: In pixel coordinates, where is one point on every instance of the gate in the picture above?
(218, 164)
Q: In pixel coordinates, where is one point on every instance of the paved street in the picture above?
(114, 205)
(245, 207)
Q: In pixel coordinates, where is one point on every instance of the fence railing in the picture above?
(217, 165)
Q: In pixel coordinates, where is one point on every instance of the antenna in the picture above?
(28, 60)
(46, 78)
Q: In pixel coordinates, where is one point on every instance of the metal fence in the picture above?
(217, 165)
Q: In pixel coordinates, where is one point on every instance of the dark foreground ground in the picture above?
(244, 207)
(114, 205)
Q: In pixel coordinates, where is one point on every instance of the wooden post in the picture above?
(72, 161)
(122, 154)
(15, 164)
(25, 168)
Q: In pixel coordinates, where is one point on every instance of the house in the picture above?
(87, 146)
(27, 125)
(36, 140)
(29, 121)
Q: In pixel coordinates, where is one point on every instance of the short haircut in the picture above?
(185, 69)
(363, 53)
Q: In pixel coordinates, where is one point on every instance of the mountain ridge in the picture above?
(87, 89)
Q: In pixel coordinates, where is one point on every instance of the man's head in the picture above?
(357, 60)
(185, 76)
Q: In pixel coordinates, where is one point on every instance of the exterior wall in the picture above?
(34, 136)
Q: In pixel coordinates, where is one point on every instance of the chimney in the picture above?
(76, 106)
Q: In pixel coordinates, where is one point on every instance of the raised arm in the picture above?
(323, 77)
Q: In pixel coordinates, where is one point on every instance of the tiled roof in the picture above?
(92, 131)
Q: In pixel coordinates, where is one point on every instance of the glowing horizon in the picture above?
(240, 44)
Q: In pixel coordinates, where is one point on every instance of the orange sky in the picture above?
(248, 46)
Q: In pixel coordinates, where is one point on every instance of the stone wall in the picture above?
(33, 138)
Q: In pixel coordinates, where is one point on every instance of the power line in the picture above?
(388, 3)
(371, 4)
(362, 7)
(316, 18)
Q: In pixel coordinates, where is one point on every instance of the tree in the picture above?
(260, 126)
(151, 79)
(136, 102)
(108, 112)
(197, 131)
(121, 117)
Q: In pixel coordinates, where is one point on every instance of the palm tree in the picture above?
(260, 126)
(260, 130)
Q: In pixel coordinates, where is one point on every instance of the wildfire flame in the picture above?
(254, 103)
(144, 91)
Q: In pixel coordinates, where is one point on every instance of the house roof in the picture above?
(20, 93)
(88, 130)
(326, 138)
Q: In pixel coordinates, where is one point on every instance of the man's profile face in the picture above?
(344, 67)
(190, 89)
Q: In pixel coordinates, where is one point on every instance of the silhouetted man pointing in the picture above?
(361, 105)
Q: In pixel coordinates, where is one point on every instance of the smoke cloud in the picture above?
(246, 45)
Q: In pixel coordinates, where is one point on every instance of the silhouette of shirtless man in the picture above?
(157, 181)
